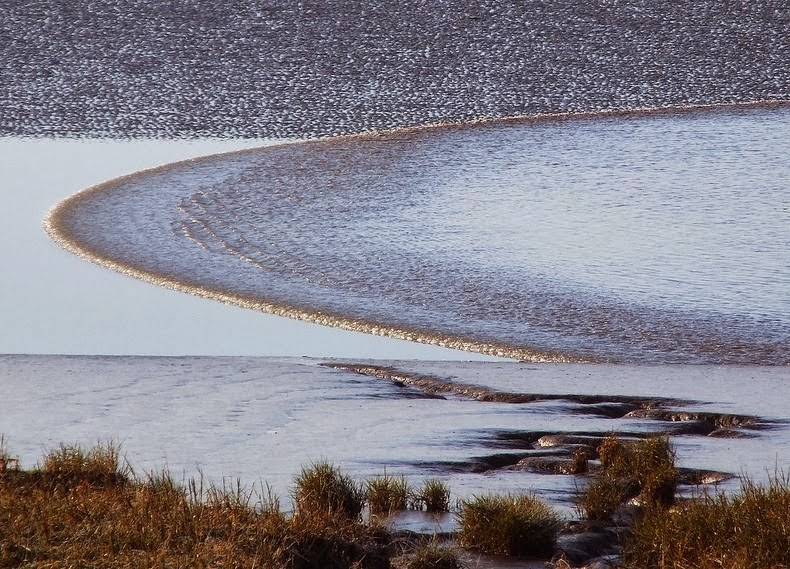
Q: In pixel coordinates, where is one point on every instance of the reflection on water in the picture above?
(653, 239)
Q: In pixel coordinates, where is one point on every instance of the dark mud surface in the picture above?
(437, 385)
(295, 69)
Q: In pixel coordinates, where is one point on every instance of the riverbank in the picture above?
(83, 505)
(263, 418)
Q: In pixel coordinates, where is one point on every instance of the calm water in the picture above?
(659, 238)
(262, 419)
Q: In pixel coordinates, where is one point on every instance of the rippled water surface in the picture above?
(658, 238)
(319, 67)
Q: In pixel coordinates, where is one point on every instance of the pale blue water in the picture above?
(52, 302)
(261, 419)
(658, 238)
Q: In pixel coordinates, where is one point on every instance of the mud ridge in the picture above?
(717, 420)
(437, 385)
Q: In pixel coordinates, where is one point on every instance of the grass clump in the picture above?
(748, 530)
(432, 555)
(642, 469)
(604, 495)
(508, 525)
(433, 496)
(80, 509)
(387, 494)
(322, 490)
(579, 462)
(70, 465)
(7, 460)
(334, 542)
(637, 459)
(613, 454)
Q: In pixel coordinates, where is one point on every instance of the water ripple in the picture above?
(653, 238)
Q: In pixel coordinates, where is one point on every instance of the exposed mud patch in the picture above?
(549, 465)
(488, 463)
(608, 410)
(719, 420)
(732, 434)
(552, 439)
(571, 452)
(697, 477)
(580, 543)
(604, 404)
(566, 439)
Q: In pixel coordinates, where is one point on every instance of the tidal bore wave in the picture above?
(642, 236)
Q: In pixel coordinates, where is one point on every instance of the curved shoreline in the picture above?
(322, 318)
(54, 227)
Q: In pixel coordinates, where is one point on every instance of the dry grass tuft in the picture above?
(748, 530)
(433, 496)
(333, 541)
(508, 525)
(612, 453)
(644, 469)
(322, 490)
(100, 465)
(579, 462)
(604, 495)
(387, 494)
(80, 509)
(431, 555)
(7, 460)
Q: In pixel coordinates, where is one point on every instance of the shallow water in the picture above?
(52, 302)
(261, 419)
(654, 238)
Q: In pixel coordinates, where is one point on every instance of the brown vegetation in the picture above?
(748, 530)
(432, 555)
(84, 507)
(434, 496)
(643, 469)
(386, 494)
(81, 508)
(508, 525)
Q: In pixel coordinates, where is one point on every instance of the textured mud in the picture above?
(439, 385)
(552, 453)
(281, 68)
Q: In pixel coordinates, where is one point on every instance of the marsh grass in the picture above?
(99, 464)
(432, 555)
(7, 460)
(604, 495)
(612, 452)
(387, 494)
(332, 540)
(82, 508)
(643, 469)
(433, 496)
(508, 524)
(579, 462)
(748, 530)
(322, 489)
